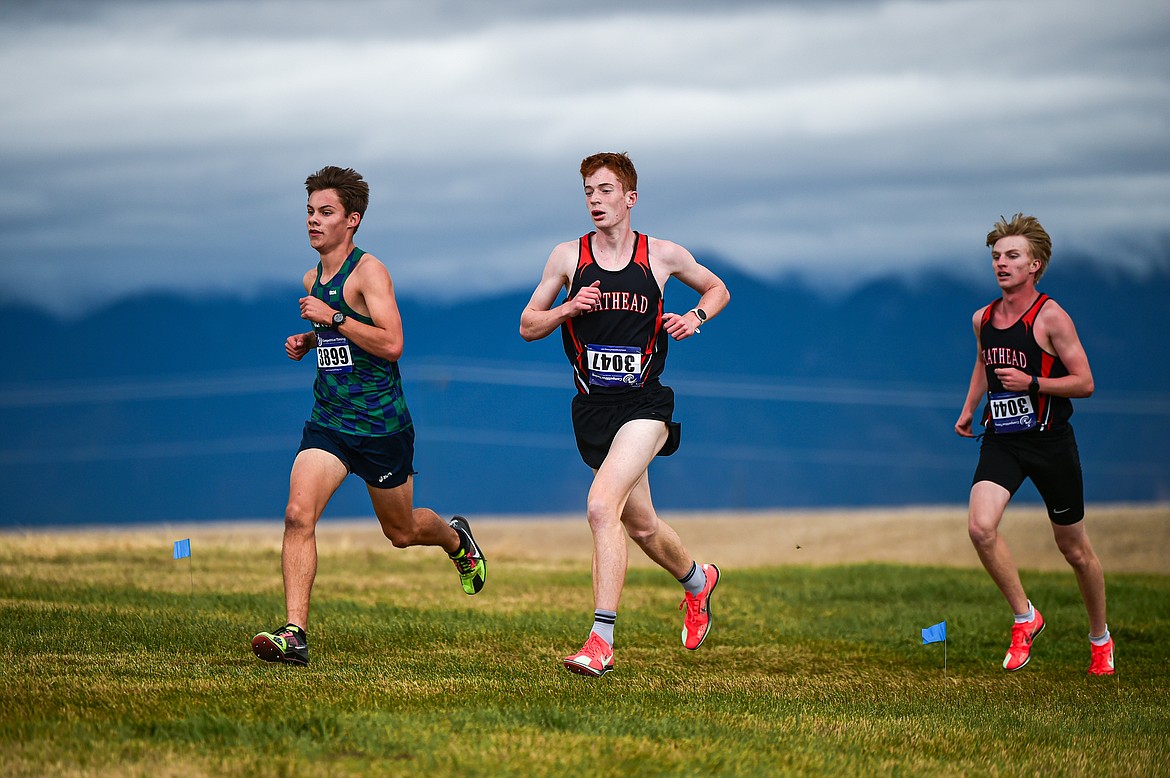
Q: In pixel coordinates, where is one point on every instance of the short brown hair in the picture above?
(1027, 227)
(351, 188)
(620, 164)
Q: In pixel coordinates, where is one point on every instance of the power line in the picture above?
(735, 387)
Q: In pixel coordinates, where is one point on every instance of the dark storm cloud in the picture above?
(164, 144)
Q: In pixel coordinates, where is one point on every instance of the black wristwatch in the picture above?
(338, 319)
(1035, 385)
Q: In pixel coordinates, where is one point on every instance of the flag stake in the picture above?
(183, 550)
(937, 633)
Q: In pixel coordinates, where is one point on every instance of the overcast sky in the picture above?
(164, 144)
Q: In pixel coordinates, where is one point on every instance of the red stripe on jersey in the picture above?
(987, 314)
(584, 255)
(1029, 318)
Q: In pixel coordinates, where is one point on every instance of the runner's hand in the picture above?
(296, 346)
(680, 327)
(963, 425)
(588, 298)
(316, 311)
(1013, 380)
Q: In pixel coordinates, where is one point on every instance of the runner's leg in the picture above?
(316, 474)
(657, 539)
(1073, 542)
(406, 525)
(988, 502)
(633, 448)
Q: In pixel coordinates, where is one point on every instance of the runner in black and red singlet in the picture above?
(615, 334)
(1016, 346)
(632, 317)
(1030, 364)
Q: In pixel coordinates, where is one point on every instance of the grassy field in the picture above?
(118, 660)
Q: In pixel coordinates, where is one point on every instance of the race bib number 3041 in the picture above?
(1011, 411)
(333, 353)
(614, 365)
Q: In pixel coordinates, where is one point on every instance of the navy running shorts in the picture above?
(598, 417)
(382, 461)
(1049, 458)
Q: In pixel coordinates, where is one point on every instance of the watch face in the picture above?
(702, 316)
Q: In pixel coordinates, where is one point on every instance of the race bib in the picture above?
(333, 353)
(614, 365)
(1011, 411)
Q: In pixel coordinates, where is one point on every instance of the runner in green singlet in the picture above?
(360, 423)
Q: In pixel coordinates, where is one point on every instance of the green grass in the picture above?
(113, 663)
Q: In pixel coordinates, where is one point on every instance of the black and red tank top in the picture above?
(1016, 347)
(622, 346)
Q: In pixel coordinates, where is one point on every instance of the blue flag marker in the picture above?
(183, 549)
(935, 634)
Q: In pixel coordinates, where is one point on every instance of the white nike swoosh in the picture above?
(583, 659)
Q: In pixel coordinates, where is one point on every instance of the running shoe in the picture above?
(697, 619)
(287, 644)
(1020, 651)
(595, 658)
(1102, 660)
(469, 560)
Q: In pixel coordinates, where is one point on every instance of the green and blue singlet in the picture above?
(356, 392)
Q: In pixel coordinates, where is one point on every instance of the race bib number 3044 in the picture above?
(333, 353)
(614, 365)
(1011, 411)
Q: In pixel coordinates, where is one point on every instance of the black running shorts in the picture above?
(382, 461)
(1050, 459)
(598, 417)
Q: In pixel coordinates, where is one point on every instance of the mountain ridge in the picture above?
(169, 407)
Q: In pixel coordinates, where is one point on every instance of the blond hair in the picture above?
(1027, 227)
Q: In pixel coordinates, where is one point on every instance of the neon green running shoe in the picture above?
(287, 644)
(469, 560)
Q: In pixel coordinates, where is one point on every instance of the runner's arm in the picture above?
(540, 318)
(370, 292)
(713, 294)
(976, 389)
(1055, 328)
(296, 346)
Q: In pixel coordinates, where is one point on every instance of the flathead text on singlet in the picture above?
(623, 301)
(1005, 357)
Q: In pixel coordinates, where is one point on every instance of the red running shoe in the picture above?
(697, 619)
(595, 658)
(1020, 651)
(1102, 661)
